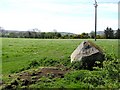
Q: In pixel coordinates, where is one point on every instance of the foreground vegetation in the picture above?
(28, 55)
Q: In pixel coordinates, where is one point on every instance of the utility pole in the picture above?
(95, 18)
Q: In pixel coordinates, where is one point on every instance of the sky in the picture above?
(75, 16)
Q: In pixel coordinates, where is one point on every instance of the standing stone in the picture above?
(87, 53)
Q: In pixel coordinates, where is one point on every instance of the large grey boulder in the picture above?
(87, 53)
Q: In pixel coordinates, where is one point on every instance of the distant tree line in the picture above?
(31, 34)
(109, 33)
(35, 33)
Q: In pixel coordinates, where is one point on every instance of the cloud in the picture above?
(45, 22)
(46, 7)
(63, 15)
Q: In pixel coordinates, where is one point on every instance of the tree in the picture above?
(2, 32)
(92, 34)
(42, 35)
(117, 34)
(13, 35)
(85, 35)
(109, 33)
(36, 32)
(58, 35)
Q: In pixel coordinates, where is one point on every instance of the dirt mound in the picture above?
(26, 78)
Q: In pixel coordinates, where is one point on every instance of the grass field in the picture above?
(18, 54)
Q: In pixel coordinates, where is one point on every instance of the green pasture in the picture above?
(17, 53)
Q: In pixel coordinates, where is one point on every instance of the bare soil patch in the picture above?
(26, 78)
